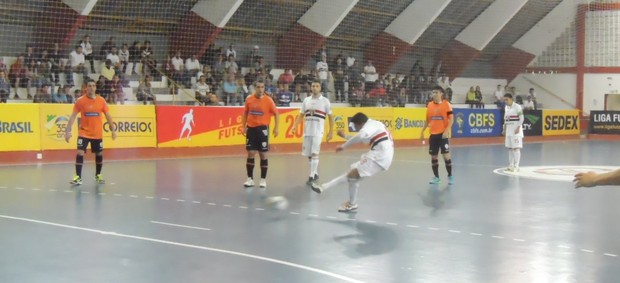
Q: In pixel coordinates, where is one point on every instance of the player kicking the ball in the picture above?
(377, 159)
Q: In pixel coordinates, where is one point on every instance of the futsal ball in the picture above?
(277, 202)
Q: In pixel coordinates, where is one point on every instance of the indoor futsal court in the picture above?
(191, 220)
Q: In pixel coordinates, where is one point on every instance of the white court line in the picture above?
(195, 201)
(36, 189)
(294, 213)
(475, 234)
(164, 198)
(182, 226)
(19, 188)
(149, 197)
(497, 237)
(454, 231)
(413, 226)
(518, 240)
(391, 223)
(243, 207)
(612, 255)
(3, 187)
(180, 200)
(118, 195)
(587, 251)
(272, 260)
(133, 196)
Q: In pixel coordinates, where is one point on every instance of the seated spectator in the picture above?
(3, 66)
(201, 89)
(242, 88)
(78, 61)
(102, 87)
(286, 78)
(43, 95)
(5, 87)
(231, 66)
(479, 97)
(192, 67)
(470, 98)
(377, 95)
(148, 62)
(270, 89)
(116, 91)
(134, 55)
(123, 56)
(145, 91)
(17, 74)
(63, 95)
(529, 104)
(357, 95)
(212, 100)
(115, 59)
(230, 91)
(284, 97)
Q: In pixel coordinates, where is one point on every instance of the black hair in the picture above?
(359, 118)
(443, 91)
(508, 95)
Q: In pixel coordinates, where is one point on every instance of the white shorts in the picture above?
(514, 142)
(311, 145)
(367, 167)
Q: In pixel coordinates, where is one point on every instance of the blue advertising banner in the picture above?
(477, 123)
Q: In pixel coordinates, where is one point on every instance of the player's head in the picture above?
(508, 99)
(438, 93)
(359, 120)
(315, 86)
(259, 86)
(91, 88)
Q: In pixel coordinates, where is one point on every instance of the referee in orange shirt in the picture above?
(439, 119)
(259, 108)
(90, 130)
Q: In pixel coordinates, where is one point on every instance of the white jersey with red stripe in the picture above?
(378, 137)
(315, 110)
(513, 119)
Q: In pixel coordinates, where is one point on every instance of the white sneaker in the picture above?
(317, 188)
(263, 184)
(347, 207)
(515, 169)
(509, 169)
(249, 183)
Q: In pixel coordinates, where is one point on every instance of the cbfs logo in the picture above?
(404, 123)
(56, 126)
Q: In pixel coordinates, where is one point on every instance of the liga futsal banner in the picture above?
(408, 123)
(200, 126)
(605, 122)
(19, 127)
(560, 122)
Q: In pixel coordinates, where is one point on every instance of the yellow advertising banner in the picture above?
(19, 127)
(135, 126)
(560, 122)
(408, 123)
(54, 119)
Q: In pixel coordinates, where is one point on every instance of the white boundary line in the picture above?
(182, 226)
(272, 260)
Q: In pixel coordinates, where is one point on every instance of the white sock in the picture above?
(517, 154)
(354, 184)
(511, 157)
(338, 180)
(314, 166)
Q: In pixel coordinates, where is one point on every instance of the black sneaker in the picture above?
(310, 181)
(316, 177)
(316, 187)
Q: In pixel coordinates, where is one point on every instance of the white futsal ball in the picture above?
(277, 202)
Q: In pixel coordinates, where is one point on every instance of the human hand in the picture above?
(341, 134)
(330, 135)
(114, 135)
(275, 132)
(67, 136)
(585, 179)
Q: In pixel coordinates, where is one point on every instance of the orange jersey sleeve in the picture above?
(437, 115)
(259, 110)
(91, 116)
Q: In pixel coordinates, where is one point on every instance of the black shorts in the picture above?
(257, 138)
(96, 145)
(435, 142)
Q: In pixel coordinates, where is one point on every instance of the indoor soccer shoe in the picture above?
(99, 179)
(262, 184)
(347, 207)
(450, 180)
(249, 183)
(435, 181)
(76, 181)
(317, 188)
(310, 180)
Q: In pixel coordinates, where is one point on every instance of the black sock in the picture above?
(264, 164)
(79, 160)
(449, 166)
(435, 166)
(249, 166)
(98, 163)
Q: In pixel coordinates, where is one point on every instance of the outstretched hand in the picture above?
(585, 179)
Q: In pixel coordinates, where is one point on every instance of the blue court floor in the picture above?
(190, 220)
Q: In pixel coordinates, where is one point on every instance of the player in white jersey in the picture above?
(314, 110)
(513, 129)
(377, 159)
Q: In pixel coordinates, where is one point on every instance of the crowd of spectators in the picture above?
(216, 78)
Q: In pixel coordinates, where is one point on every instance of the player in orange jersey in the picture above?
(439, 119)
(90, 130)
(259, 108)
